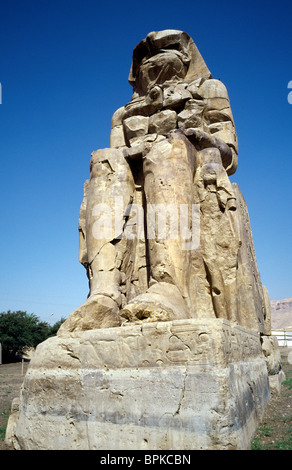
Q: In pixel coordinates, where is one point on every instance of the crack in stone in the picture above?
(173, 335)
(182, 393)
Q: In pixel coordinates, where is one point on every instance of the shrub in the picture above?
(21, 330)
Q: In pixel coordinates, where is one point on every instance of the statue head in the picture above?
(165, 56)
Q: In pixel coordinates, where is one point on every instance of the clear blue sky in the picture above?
(64, 67)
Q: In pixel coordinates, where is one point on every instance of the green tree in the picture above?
(54, 328)
(19, 330)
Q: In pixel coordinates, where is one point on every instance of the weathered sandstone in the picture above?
(186, 384)
(171, 349)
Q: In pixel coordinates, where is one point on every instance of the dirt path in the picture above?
(11, 379)
(275, 431)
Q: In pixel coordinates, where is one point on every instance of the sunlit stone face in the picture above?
(160, 68)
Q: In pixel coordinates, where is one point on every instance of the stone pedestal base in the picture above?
(187, 384)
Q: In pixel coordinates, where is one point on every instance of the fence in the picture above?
(284, 337)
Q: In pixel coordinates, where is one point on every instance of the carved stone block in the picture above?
(187, 384)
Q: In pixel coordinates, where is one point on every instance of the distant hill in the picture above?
(281, 313)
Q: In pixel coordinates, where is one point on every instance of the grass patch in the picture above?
(283, 443)
(276, 431)
(262, 432)
(2, 433)
(288, 383)
(257, 444)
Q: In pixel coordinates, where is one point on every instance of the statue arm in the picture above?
(117, 138)
(83, 259)
(219, 119)
(203, 140)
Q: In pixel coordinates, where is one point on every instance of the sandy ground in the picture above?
(11, 378)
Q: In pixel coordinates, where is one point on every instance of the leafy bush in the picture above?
(20, 330)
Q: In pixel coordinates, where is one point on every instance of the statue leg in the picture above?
(168, 172)
(109, 191)
(219, 232)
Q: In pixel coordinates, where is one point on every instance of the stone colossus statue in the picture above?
(172, 149)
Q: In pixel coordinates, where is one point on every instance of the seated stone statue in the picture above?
(172, 148)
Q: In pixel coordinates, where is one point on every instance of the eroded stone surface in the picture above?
(172, 146)
(186, 384)
(165, 353)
